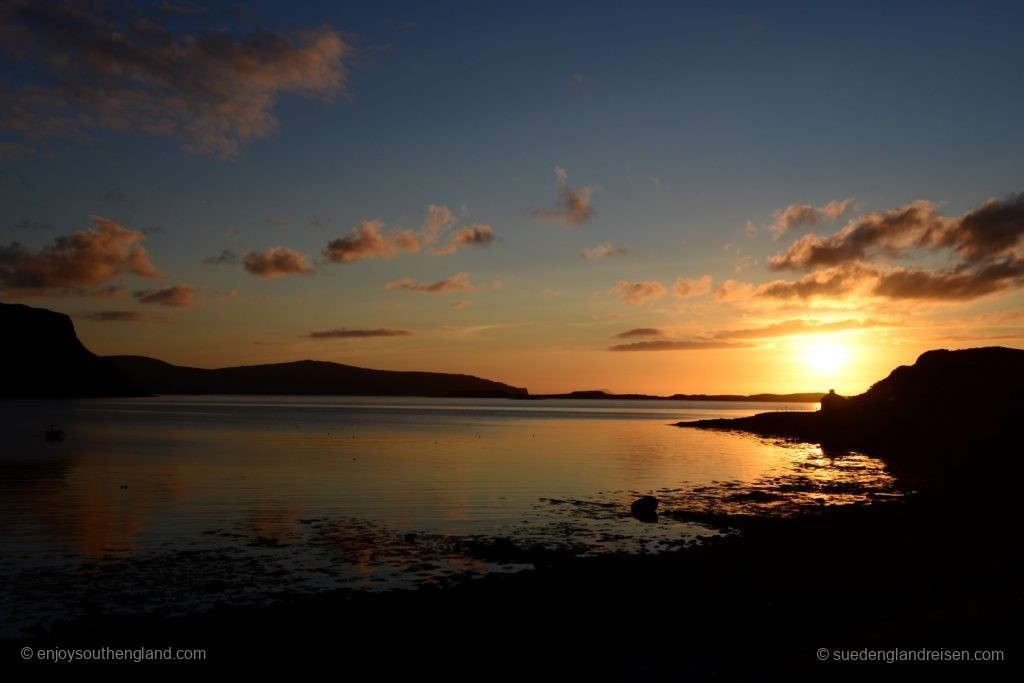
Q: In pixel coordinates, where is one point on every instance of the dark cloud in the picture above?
(952, 285)
(835, 282)
(86, 258)
(455, 283)
(602, 251)
(227, 257)
(276, 261)
(345, 333)
(691, 345)
(126, 67)
(573, 205)
(638, 293)
(115, 316)
(640, 332)
(177, 296)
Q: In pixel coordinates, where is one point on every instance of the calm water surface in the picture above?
(325, 491)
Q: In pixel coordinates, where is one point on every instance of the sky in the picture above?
(659, 198)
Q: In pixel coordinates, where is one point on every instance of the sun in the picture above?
(825, 358)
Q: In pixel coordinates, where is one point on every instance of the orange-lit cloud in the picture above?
(345, 333)
(104, 253)
(573, 205)
(797, 215)
(277, 261)
(602, 251)
(98, 66)
(177, 296)
(455, 283)
(687, 288)
(638, 293)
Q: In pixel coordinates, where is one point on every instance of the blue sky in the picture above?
(693, 123)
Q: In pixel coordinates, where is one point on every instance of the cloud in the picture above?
(602, 251)
(794, 327)
(687, 288)
(276, 261)
(889, 232)
(102, 254)
(797, 215)
(115, 316)
(455, 283)
(344, 333)
(984, 244)
(691, 345)
(125, 67)
(465, 303)
(177, 296)
(10, 151)
(573, 205)
(640, 332)
(638, 293)
(951, 285)
(368, 239)
(474, 235)
(439, 218)
(227, 257)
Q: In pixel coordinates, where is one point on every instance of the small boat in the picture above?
(55, 433)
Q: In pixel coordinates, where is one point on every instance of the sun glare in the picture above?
(825, 357)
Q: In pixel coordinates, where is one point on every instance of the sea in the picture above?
(174, 504)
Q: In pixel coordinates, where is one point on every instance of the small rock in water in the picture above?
(645, 509)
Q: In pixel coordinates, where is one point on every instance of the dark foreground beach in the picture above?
(784, 593)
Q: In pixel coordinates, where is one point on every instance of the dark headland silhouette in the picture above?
(45, 359)
(946, 408)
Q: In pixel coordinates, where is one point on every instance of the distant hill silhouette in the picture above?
(305, 377)
(598, 394)
(43, 358)
(947, 409)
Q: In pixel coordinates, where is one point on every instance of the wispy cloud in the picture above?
(688, 288)
(177, 296)
(798, 326)
(797, 215)
(226, 257)
(640, 333)
(685, 345)
(638, 293)
(102, 254)
(455, 283)
(345, 333)
(277, 261)
(124, 67)
(115, 316)
(573, 207)
(602, 251)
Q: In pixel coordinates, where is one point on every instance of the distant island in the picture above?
(813, 397)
